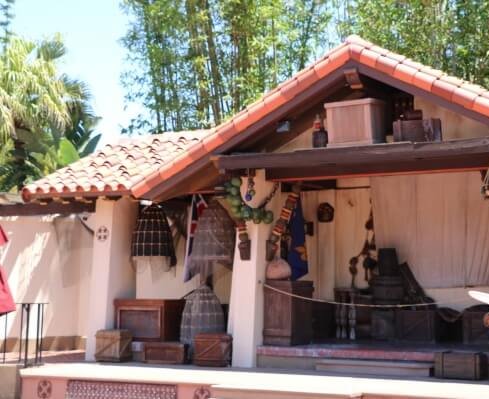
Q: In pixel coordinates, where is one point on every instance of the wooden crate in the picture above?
(417, 130)
(422, 325)
(355, 122)
(287, 320)
(473, 329)
(150, 319)
(212, 350)
(461, 365)
(113, 345)
(165, 352)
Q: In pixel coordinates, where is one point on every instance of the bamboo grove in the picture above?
(192, 63)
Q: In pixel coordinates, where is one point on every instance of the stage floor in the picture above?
(368, 350)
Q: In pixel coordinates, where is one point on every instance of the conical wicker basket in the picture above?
(214, 240)
(202, 314)
(152, 236)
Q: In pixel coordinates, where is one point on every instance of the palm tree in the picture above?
(38, 108)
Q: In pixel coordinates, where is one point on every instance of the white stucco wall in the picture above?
(48, 259)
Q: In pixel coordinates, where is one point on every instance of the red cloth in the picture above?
(7, 303)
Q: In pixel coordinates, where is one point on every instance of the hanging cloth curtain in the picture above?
(7, 303)
(214, 241)
(152, 240)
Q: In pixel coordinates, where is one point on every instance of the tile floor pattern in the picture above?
(116, 390)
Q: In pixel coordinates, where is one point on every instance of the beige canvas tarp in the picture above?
(439, 224)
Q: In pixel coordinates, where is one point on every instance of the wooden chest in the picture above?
(212, 350)
(473, 329)
(165, 352)
(418, 325)
(355, 122)
(150, 319)
(287, 320)
(113, 345)
(461, 365)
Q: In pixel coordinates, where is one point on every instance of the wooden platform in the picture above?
(375, 367)
(307, 357)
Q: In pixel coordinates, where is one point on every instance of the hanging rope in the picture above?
(364, 305)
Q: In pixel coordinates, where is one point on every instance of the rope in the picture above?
(364, 305)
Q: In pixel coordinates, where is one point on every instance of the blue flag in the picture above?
(297, 256)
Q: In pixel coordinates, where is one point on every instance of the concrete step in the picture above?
(376, 367)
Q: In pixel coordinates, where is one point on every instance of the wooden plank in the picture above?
(33, 209)
(357, 155)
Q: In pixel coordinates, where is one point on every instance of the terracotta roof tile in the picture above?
(136, 165)
(423, 80)
(117, 167)
(386, 64)
(404, 73)
(369, 58)
(443, 89)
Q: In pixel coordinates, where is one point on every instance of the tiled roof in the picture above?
(116, 168)
(467, 95)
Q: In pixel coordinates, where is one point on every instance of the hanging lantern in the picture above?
(214, 240)
(202, 314)
(152, 240)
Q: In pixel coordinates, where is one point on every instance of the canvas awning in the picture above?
(365, 160)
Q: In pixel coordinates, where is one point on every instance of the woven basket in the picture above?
(202, 314)
(214, 240)
(152, 236)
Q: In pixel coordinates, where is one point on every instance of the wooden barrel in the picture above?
(387, 290)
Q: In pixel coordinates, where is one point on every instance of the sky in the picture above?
(91, 30)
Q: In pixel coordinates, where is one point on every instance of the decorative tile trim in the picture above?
(118, 390)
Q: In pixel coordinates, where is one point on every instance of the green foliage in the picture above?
(449, 35)
(45, 119)
(192, 63)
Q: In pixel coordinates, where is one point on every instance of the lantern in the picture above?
(152, 240)
(214, 240)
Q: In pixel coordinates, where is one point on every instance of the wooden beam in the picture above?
(369, 160)
(467, 163)
(34, 209)
(353, 79)
(357, 155)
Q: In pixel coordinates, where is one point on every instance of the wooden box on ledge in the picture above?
(113, 345)
(287, 320)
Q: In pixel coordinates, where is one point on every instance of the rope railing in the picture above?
(365, 305)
